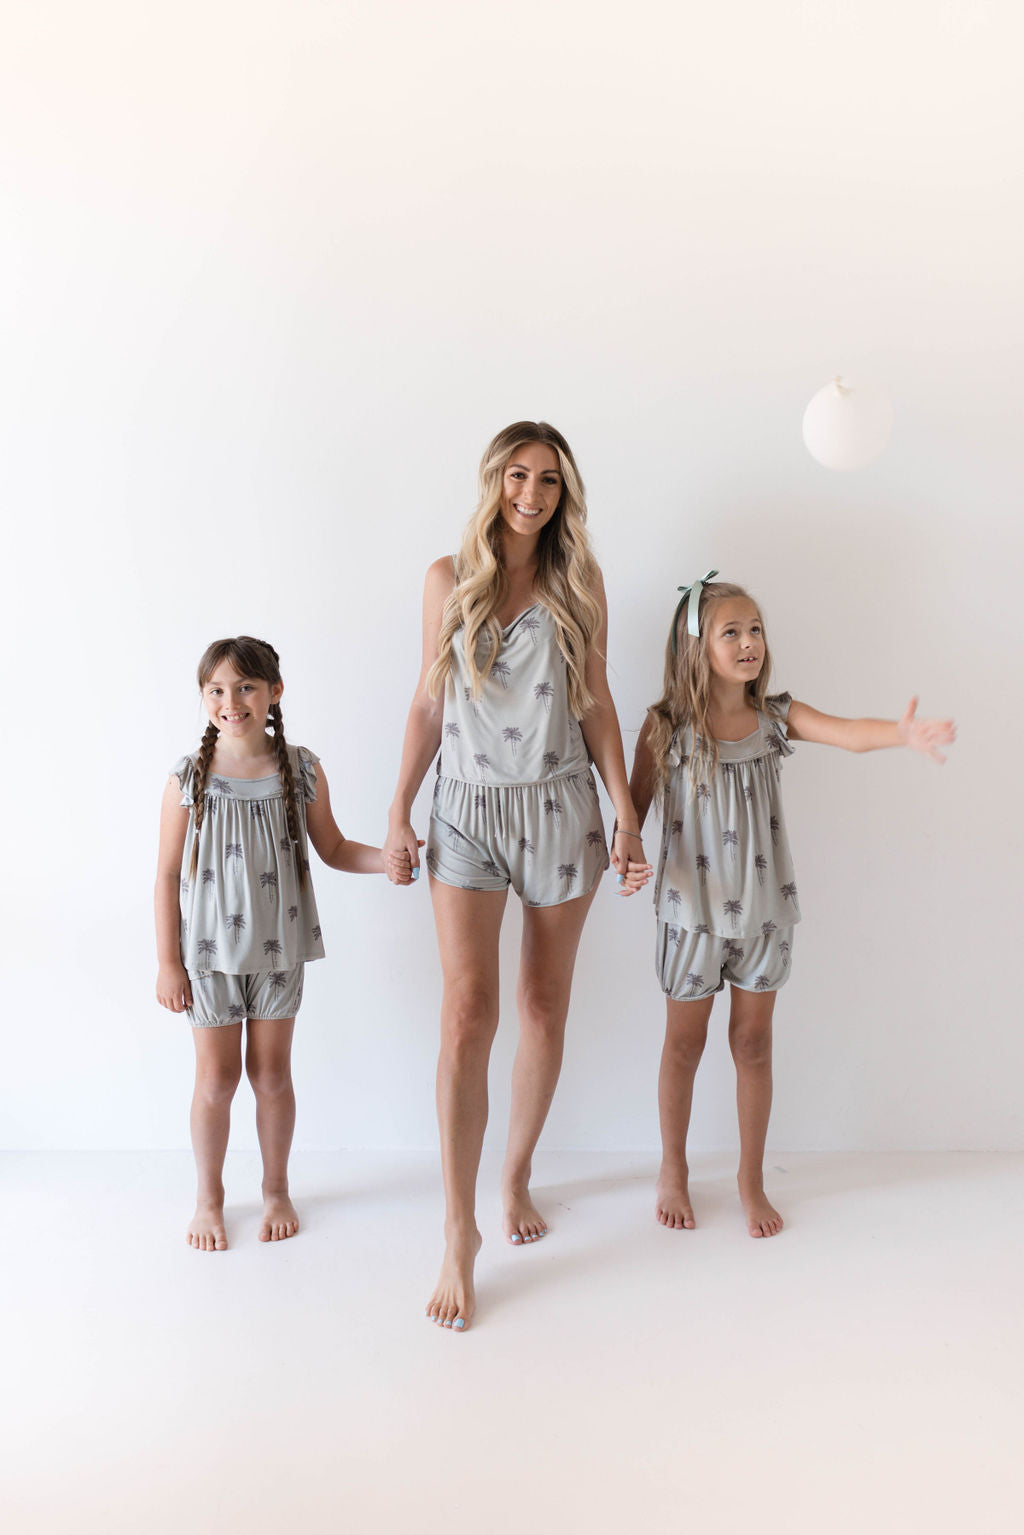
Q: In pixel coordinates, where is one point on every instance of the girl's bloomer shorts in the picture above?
(695, 965)
(544, 839)
(219, 999)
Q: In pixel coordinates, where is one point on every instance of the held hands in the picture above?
(173, 988)
(628, 861)
(400, 854)
(925, 735)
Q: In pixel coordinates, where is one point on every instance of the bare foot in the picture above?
(454, 1299)
(280, 1218)
(672, 1201)
(521, 1220)
(206, 1231)
(763, 1220)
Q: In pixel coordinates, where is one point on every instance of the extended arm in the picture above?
(641, 783)
(336, 850)
(604, 742)
(422, 734)
(172, 984)
(868, 735)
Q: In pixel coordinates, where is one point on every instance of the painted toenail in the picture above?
(516, 1237)
(447, 1324)
(459, 1322)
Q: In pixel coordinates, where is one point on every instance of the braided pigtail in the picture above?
(203, 761)
(290, 802)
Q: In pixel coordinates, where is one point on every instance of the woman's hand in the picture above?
(925, 736)
(401, 853)
(628, 861)
(173, 988)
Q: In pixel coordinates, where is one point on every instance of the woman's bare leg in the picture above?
(686, 1033)
(551, 936)
(750, 1039)
(468, 926)
(218, 1069)
(268, 1064)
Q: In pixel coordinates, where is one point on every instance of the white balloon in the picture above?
(847, 425)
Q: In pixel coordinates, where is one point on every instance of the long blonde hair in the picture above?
(686, 699)
(566, 572)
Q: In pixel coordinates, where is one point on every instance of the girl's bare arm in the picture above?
(868, 735)
(335, 849)
(173, 990)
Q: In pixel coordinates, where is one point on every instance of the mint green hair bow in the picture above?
(693, 611)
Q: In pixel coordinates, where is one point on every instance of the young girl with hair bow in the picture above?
(711, 750)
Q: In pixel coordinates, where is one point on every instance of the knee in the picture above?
(217, 1085)
(543, 1008)
(752, 1045)
(470, 1018)
(268, 1080)
(686, 1048)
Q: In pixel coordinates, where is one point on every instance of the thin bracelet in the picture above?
(618, 831)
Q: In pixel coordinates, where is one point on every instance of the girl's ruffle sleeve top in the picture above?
(245, 911)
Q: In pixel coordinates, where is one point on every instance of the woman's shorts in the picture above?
(545, 839)
(219, 999)
(695, 965)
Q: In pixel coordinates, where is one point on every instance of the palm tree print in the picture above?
(293, 912)
(316, 932)
(209, 877)
(531, 623)
(703, 797)
(479, 800)
(701, 930)
(452, 730)
(273, 948)
(551, 761)
(472, 701)
(491, 868)
(545, 692)
(748, 793)
(185, 887)
(256, 809)
(763, 983)
(482, 761)
(774, 824)
(729, 767)
(553, 807)
(694, 981)
(431, 859)
(761, 865)
(733, 909)
(236, 922)
(268, 881)
(595, 838)
(788, 892)
(207, 949)
(677, 828)
(703, 867)
(285, 844)
(767, 929)
(568, 872)
(784, 948)
(234, 850)
(734, 951)
(674, 900)
(502, 671)
(673, 934)
(236, 1012)
(221, 786)
(525, 845)
(513, 735)
(278, 979)
(730, 839)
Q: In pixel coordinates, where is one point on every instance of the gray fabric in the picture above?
(218, 1000)
(519, 730)
(546, 840)
(245, 909)
(724, 866)
(691, 966)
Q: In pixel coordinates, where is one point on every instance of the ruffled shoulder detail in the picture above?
(306, 762)
(776, 709)
(185, 772)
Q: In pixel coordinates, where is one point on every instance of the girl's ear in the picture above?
(276, 689)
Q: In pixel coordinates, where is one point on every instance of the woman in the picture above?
(513, 689)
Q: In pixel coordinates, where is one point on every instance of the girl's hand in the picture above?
(628, 861)
(401, 853)
(925, 735)
(173, 988)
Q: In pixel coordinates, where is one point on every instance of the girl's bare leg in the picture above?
(268, 1064)
(468, 926)
(750, 1039)
(551, 936)
(686, 1033)
(218, 1069)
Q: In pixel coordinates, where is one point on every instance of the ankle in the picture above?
(275, 1188)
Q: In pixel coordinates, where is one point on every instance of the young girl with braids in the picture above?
(711, 750)
(236, 918)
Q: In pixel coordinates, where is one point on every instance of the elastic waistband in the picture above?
(535, 783)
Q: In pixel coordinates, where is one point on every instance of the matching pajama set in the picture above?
(247, 926)
(725, 893)
(515, 802)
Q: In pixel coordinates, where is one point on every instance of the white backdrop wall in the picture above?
(274, 274)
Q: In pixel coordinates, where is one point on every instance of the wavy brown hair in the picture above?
(566, 571)
(686, 699)
(250, 658)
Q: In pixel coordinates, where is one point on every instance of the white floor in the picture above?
(861, 1372)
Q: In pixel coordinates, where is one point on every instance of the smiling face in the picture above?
(735, 639)
(531, 488)
(238, 705)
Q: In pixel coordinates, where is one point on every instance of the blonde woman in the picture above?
(513, 691)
